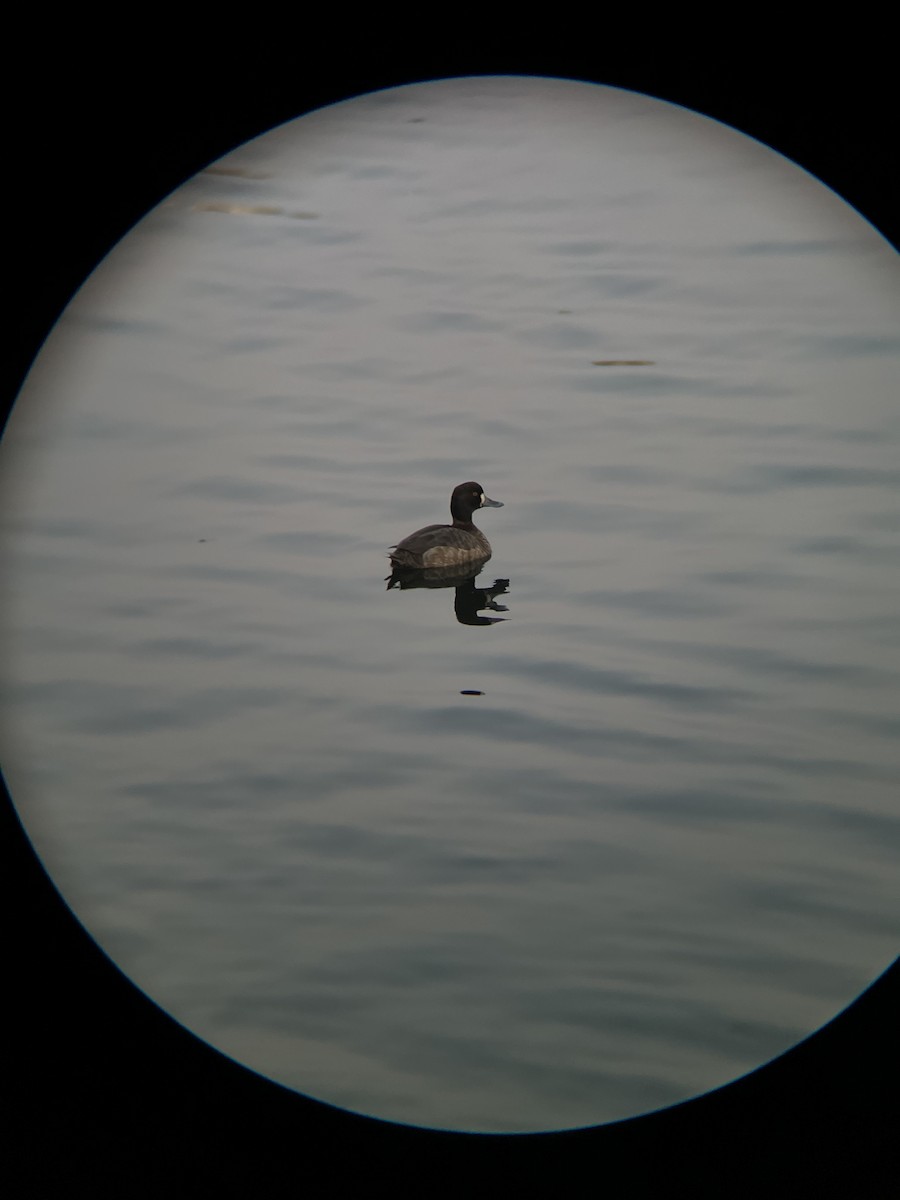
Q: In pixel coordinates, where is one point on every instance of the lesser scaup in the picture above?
(449, 545)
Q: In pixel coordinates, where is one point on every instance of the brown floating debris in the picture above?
(264, 210)
(253, 210)
(623, 362)
(241, 172)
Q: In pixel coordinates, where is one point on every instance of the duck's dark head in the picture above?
(466, 498)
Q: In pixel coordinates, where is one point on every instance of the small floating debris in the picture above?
(241, 172)
(623, 362)
(470, 692)
(253, 210)
(264, 210)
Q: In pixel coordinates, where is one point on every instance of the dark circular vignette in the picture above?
(103, 1087)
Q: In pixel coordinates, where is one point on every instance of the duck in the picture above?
(458, 544)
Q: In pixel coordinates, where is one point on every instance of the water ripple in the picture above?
(600, 681)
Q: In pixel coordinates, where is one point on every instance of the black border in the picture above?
(106, 1091)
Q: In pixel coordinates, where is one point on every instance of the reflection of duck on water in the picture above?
(456, 545)
(469, 599)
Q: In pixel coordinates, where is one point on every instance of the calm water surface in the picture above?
(661, 847)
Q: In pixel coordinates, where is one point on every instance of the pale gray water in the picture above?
(661, 847)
